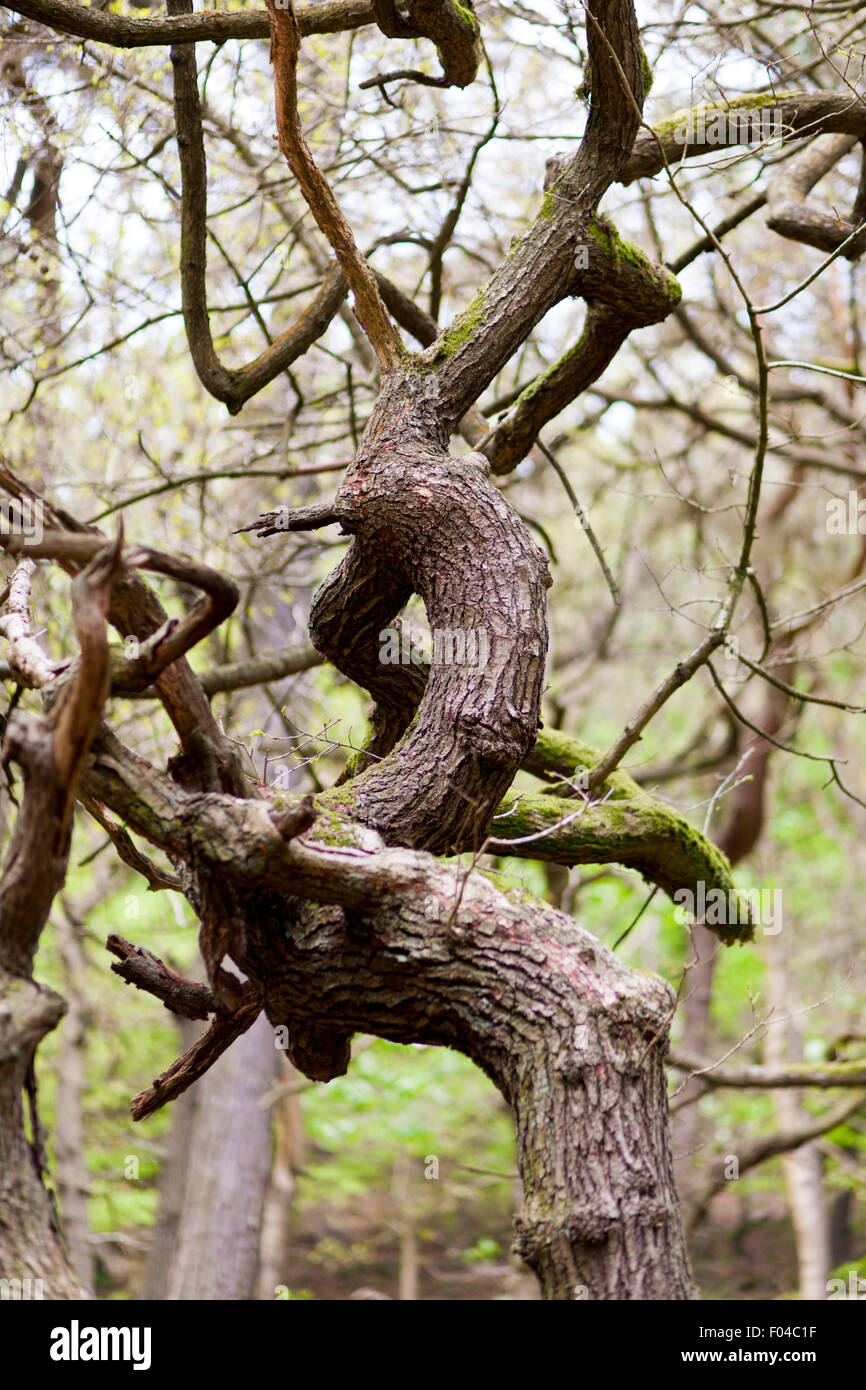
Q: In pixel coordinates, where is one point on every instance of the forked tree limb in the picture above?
(704, 130)
(633, 829)
(146, 971)
(427, 523)
(233, 386)
(136, 612)
(189, 1068)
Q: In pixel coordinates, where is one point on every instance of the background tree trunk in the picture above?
(289, 1148)
(803, 1168)
(229, 1160)
(73, 1180)
(173, 1177)
(31, 1244)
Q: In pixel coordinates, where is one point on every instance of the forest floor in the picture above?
(744, 1251)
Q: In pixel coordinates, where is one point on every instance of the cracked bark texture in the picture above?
(427, 523)
(571, 1037)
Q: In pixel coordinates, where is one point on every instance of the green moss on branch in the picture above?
(624, 825)
(461, 330)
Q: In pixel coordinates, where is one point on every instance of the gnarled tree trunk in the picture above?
(337, 913)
